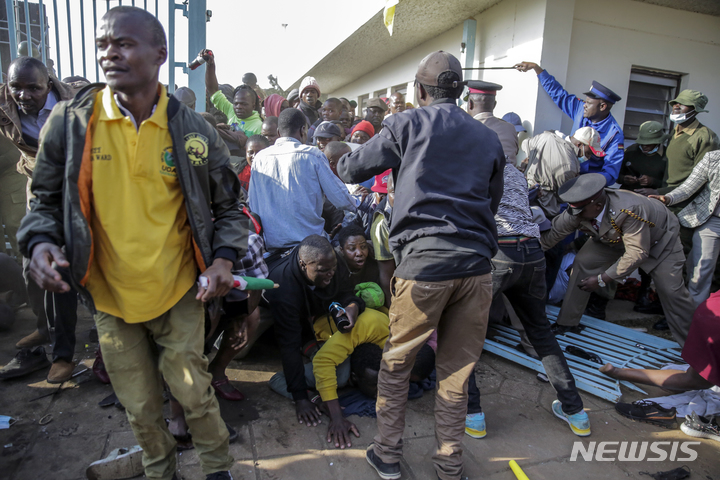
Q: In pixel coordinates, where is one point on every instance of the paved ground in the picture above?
(273, 446)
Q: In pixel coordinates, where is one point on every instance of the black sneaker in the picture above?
(648, 412)
(558, 329)
(387, 471)
(661, 325)
(25, 361)
(219, 476)
(701, 427)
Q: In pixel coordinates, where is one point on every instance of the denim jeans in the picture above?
(519, 273)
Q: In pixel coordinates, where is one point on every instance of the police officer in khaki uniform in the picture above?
(481, 103)
(627, 231)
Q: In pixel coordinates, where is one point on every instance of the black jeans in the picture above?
(519, 273)
(57, 315)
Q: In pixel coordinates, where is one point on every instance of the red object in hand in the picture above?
(199, 60)
(236, 284)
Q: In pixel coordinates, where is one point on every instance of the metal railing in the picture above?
(194, 10)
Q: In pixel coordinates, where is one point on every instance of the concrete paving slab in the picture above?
(283, 435)
(310, 463)
(68, 460)
(487, 379)
(242, 470)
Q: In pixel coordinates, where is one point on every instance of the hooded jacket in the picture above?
(62, 184)
(10, 123)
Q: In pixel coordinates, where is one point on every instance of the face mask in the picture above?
(582, 159)
(682, 117)
(651, 152)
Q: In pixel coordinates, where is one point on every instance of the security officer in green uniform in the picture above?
(690, 141)
(628, 231)
(643, 162)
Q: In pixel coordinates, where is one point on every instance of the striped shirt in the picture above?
(514, 217)
(705, 174)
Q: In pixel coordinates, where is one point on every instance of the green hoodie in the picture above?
(251, 125)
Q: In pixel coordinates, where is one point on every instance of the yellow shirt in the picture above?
(143, 260)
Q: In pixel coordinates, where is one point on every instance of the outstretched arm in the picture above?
(211, 82)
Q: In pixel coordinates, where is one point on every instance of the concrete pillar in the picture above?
(197, 21)
(555, 57)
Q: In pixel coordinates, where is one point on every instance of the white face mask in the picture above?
(682, 117)
(651, 152)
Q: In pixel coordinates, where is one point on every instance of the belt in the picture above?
(514, 240)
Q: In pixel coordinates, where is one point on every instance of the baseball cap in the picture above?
(327, 130)
(514, 119)
(434, 65)
(589, 136)
(378, 103)
(380, 185)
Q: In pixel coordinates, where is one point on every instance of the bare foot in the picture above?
(608, 369)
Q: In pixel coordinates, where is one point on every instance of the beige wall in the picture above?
(577, 45)
(606, 47)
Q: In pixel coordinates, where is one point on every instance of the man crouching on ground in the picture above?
(129, 181)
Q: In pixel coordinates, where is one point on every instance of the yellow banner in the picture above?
(389, 14)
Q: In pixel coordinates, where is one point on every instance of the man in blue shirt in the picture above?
(593, 112)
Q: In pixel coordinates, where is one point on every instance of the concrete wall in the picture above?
(577, 44)
(606, 47)
(402, 69)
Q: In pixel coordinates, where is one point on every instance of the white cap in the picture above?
(590, 137)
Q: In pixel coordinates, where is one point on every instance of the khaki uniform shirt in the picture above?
(505, 131)
(643, 229)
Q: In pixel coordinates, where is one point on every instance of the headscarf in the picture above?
(364, 126)
(272, 105)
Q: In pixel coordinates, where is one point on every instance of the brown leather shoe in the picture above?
(61, 371)
(35, 339)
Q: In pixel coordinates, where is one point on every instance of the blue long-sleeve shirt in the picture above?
(288, 186)
(611, 136)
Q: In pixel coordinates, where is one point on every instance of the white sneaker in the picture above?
(121, 463)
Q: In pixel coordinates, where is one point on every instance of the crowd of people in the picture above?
(394, 238)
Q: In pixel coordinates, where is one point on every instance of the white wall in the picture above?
(577, 42)
(507, 33)
(605, 47)
(401, 69)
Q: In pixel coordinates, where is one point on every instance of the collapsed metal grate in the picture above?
(620, 346)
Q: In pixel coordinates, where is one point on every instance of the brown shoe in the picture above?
(35, 339)
(61, 371)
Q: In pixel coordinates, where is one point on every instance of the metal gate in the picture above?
(57, 28)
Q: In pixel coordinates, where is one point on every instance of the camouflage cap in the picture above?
(691, 98)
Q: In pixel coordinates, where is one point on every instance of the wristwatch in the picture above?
(600, 281)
